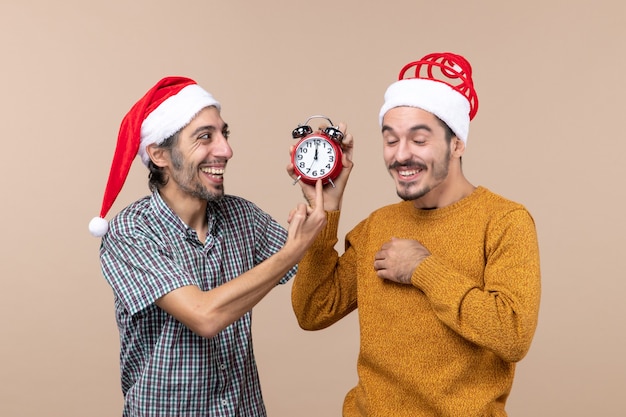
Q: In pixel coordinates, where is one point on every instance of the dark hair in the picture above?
(449, 133)
(156, 176)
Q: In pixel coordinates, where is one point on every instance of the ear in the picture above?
(158, 155)
(457, 147)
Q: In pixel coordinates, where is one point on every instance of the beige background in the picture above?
(549, 133)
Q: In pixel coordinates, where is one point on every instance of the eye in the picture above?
(419, 139)
(226, 133)
(390, 140)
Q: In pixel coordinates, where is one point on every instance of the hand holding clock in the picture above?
(332, 194)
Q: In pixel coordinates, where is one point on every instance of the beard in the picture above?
(187, 179)
(409, 191)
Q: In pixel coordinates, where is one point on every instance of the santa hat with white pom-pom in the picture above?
(165, 109)
(441, 84)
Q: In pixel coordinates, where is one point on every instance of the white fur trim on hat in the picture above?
(172, 115)
(435, 97)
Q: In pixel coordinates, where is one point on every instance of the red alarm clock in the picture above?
(317, 155)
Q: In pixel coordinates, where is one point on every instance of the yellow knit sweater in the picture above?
(446, 345)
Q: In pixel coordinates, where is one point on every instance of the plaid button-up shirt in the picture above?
(167, 370)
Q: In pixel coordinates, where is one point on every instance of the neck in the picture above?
(445, 194)
(190, 209)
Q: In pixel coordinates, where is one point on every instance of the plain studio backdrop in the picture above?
(549, 134)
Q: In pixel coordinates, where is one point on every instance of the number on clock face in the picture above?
(315, 157)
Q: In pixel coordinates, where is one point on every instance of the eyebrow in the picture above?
(415, 128)
(209, 128)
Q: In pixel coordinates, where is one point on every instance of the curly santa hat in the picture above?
(165, 109)
(440, 83)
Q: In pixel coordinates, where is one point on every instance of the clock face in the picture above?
(316, 158)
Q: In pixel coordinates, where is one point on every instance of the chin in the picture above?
(408, 193)
(216, 195)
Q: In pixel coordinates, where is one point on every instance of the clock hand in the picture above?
(314, 156)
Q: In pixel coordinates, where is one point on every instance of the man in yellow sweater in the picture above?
(446, 282)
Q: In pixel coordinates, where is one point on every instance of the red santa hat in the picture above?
(165, 109)
(440, 83)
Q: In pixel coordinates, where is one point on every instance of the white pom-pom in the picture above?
(98, 226)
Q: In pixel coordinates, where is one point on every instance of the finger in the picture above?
(348, 142)
(289, 167)
(347, 146)
(316, 204)
(291, 214)
(382, 273)
(298, 215)
(319, 195)
(347, 150)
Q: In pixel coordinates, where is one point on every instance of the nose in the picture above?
(222, 147)
(403, 151)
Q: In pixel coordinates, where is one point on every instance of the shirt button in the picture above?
(224, 402)
(222, 366)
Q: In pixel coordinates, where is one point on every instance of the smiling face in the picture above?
(195, 166)
(419, 156)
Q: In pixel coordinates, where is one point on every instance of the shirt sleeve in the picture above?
(325, 288)
(139, 269)
(270, 238)
(501, 315)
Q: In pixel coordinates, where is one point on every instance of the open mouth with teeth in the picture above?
(405, 173)
(216, 173)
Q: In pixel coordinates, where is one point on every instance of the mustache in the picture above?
(407, 165)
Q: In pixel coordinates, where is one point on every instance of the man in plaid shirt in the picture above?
(188, 263)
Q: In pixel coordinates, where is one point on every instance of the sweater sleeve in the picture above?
(501, 315)
(324, 289)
